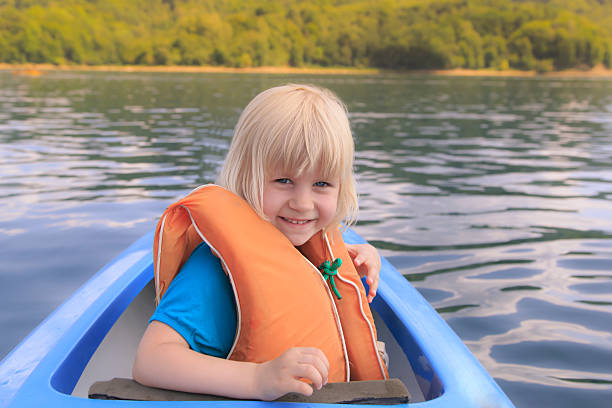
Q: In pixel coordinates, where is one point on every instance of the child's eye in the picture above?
(283, 180)
(321, 184)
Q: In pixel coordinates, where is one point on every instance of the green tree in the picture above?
(396, 34)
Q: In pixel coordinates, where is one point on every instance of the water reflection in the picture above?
(491, 195)
(501, 197)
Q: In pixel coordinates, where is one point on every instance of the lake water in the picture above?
(492, 195)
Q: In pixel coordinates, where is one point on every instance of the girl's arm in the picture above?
(164, 360)
(367, 262)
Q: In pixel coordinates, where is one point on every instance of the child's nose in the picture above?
(302, 200)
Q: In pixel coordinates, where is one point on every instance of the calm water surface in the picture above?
(492, 196)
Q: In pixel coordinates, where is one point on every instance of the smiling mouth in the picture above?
(294, 221)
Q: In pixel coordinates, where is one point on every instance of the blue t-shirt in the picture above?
(199, 304)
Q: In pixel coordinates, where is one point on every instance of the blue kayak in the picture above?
(94, 334)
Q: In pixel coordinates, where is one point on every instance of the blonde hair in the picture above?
(292, 128)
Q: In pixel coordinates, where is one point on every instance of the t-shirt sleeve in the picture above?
(199, 304)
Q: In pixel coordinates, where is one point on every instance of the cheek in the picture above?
(271, 202)
(267, 211)
(267, 204)
(329, 207)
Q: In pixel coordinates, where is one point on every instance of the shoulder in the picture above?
(199, 304)
(201, 265)
(199, 279)
(202, 256)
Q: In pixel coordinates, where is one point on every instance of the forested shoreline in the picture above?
(426, 34)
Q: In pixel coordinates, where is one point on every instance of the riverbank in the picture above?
(40, 69)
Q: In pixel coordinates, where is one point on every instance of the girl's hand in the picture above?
(280, 376)
(367, 262)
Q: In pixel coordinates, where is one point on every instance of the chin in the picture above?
(299, 239)
(298, 242)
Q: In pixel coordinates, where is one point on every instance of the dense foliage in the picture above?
(397, 34)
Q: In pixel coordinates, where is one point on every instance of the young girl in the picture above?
(249, 315)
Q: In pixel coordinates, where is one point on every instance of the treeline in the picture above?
(400, 34)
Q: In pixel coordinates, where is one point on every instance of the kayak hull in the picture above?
(46, 366)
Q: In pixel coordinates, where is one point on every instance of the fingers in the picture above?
(360, 253)
(301, 388)
(315, 366)
(291, 372)
(367, 262)
(352, 250)
(373, 280)
(365, 257)
(310, 373)
(373, 284)
(358, 260)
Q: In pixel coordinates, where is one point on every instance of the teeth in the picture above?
(295, 221)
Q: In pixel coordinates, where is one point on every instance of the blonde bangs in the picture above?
(303, 141)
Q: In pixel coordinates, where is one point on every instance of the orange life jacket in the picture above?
(282, 299)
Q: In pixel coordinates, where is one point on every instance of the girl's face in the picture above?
(300, 206)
